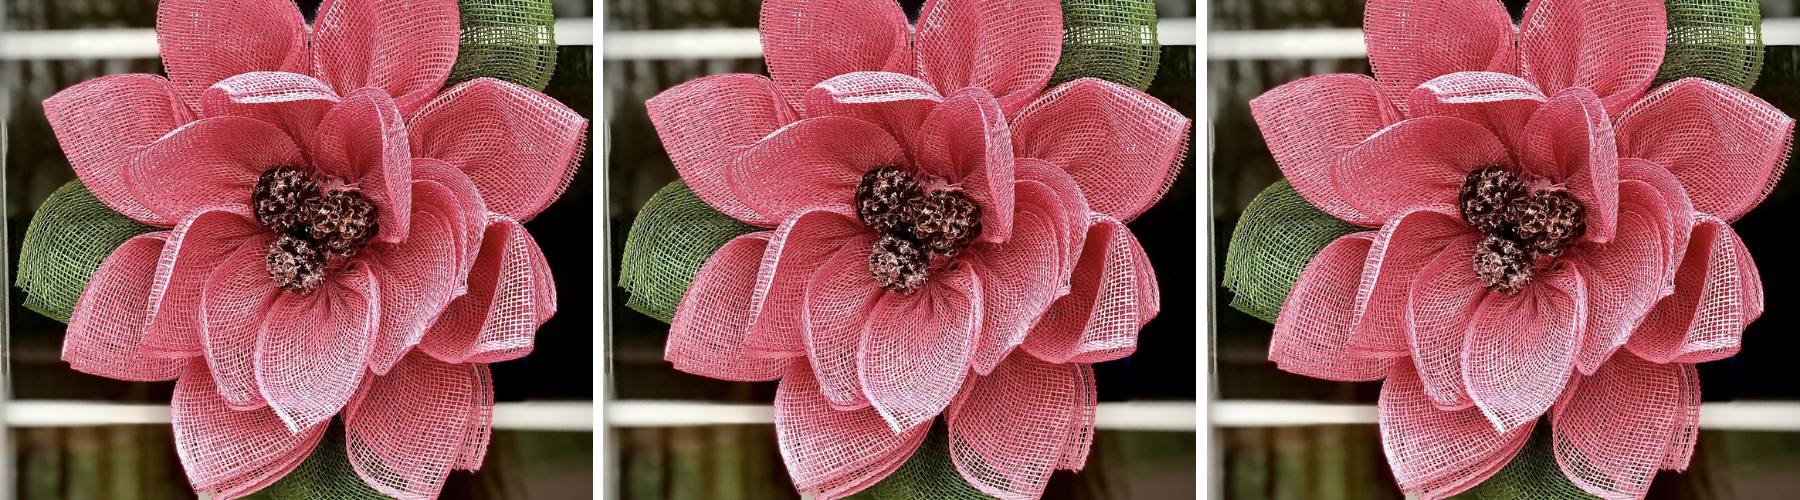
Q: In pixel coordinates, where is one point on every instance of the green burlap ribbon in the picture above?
(1110, 39)
(1278, 235)
(71, 234)
(512, 40)
(928, 474)
(672, 237)
(326, 474)
(1720, 40)
(1533, 473)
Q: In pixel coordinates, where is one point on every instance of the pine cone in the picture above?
(296, 265)
(1486, 195)
(1503, 265)
(944, 221)
(881, 196)
(277, 198)
(341, 221)
(898, 264)
(1549, 222)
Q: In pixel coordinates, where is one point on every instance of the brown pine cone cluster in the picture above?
(311, 225)
(915, 225)
(1518, 225)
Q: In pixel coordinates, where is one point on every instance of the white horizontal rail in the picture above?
(140, 43)
(740, 43)
(574, 416)
(1137, 416)
(1347, 43)
(1779, 416)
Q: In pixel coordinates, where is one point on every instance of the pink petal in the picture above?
(1503, 103)
(1654, 222)
(838, 302)
(1313, 329)
(293, 101)
(1123, 146)
(212, 286)
(511, 293)
(898, 102)
(1438, 452)
(443, 190)
(797, 249)
(106, 334)
(226, 450)
(811, 163)
(363, 143)
(1415, 163)
(1520, 348)
(707, 336)
(826, 448)
(211, 163)
(518, 145)
(808, 41)
(203, 42)
(478, 429)
(417, 281)
(966, 142)
(1441, 306)
(916, 348)
(1612, 49)
(707, 122)
(1401, 250)
(1411, 41)
(1717, 292)
(404, 48)
(312, 349)
(1020, 278)
(103, 123)
(1052, 193)
(1727, 146)
(1569, 141)
(1617, 427)
(1112, 294)
(1008, 48)
(1009, 430)
(1310, 123)
(1081, 424)
(406, 429)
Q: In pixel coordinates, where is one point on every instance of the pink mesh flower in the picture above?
(326, 210)
(929, 213)
(1522, 235)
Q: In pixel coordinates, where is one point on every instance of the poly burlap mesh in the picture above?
(671, 238)
(1728, 146)
(1718, 291)
(708, 333)
(1615, 429)
(1438, 452)
(1277, 236)
(1109, 39)
(928, 474)
(406, 430)
(325, 475)
(1009, 48)
(834, 452)
(71, 234)
(1012, 428)
(1532, 474)
(512, 40)
(1122, 146)
(404, 47)
(103, 123)
(1719, 40)
(1315, 337)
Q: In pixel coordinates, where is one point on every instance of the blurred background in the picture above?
(1759, 459)
(122, 450)
(682, 436)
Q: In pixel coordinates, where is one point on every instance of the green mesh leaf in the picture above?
(928, 474)
(1720, 40)
(1532, 474)
(512, 40)
(1109, 39)
(326, 474)
(672, 237)
(1279, 233)
(71, 234)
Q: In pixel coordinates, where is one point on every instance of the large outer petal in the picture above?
(808, 41)
(203, 41)
(213, 286)
(1009, 429)
(106, 333)
(1411, 41)
(1313, 329)
(1717, 292)
(838, 302)
(417, 279)
(1655, 220)
(210, 163)
(1440, 306)
(1415, 163)
(1610, 48)
(1008, 48)
(707, 122)
(1726, 145)
(406, 430)
(1437, 452)
(1112, 294)
(363, 142)
(227, 450)
(1569, 141)
(916, 348)
(1310, 123)
(518, 145)
(1123, 146)
(1021, 277)
(811, 163)
(313, 348)
(405, 48)
(1403, 247)
(1520, 348)
(831, 450)
(1616, 428)
(967, 142)
(803, 244)
(1502, 102)
(898, 102)
(511, 293)
(103, 123)
(707, 336)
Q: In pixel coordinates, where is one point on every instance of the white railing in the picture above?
(1346, 43)
(137, 43)
(737, 43)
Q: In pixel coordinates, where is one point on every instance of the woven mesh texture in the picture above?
(928, 474)
(1437, 452)
(1719, 40)
(1532, 474)
(1727, 146)
(406, 430)
(833, 452)
(671, 238)
(1109, 39)
(519, 146)
(1616, 428)
(325, 475)
(512, 40)
(71, 234)
(404, 47)
(103, 123)
(230, 452)
(1013, 427)
(1277, 236)
(1123, 147)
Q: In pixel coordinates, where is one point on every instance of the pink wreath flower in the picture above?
(873, 321)
(325, 210)
(1533, 211)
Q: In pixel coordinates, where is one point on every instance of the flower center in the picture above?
(918, 227)
(1519, 225)
(312, 225)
